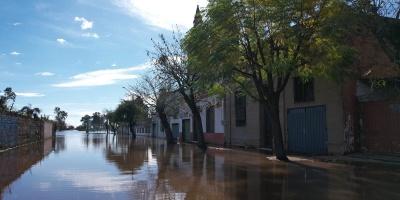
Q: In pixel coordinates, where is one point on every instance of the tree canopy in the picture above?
(159, 97)
(131, 111)
(171, 64)
(60, 117)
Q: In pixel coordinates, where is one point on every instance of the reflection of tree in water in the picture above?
(95, 139)
(127, 154)
(191, 174)
(60, 144)
(163, 190)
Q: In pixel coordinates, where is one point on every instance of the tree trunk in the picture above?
(132, 129)
(113, 128)
(167, 128)
(272, 107)
(107, 128)
(199, 129)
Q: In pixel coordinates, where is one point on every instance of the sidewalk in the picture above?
(362, 158)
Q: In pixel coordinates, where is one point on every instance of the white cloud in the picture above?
(61, 41)
(164, 14)
(16, 24)
(93, 35)
(15, 53)
(31, 94)
(103, 77)
(45, 74)
(113, 65)
(17, 63)
(85, 23)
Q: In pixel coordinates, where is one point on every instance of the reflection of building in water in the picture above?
(60, 144)
(94, 139)
(16, 161)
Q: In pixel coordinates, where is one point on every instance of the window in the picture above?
(303, 91)
(210, 120)
(161, 128)
(240, 109)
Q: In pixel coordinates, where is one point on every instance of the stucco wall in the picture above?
(47, 130)
(248, 135)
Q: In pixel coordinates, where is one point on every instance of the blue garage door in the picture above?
(307, 130)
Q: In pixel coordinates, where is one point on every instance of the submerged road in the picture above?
(75, 165)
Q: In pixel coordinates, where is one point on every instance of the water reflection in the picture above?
(60, 143)
(19, 160)
(100, 166)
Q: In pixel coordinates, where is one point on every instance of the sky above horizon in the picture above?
(79, 54)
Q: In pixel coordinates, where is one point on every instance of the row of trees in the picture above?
(255, 46)
(7, 101)
(128, 112)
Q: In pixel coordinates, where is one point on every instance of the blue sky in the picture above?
(79, 54)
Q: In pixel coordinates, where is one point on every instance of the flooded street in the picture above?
(75, 165)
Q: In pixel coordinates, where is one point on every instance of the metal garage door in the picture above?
(307, 130)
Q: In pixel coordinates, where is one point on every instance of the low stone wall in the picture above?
(17, 130)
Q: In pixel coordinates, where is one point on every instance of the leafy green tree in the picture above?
(172, 65)
(60, 117)
(9, 95)
(130, 111)
(86, 122)
(110, 120)
(30, 112)
(45, 117)
(97, 120)
(257, 45)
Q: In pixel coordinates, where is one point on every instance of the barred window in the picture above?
(303, 91)
(240, 109)
(210, 120)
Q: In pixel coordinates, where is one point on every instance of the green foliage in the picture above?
(255, 46)
(60, 117)
(130, 111)
(8, 96)
(260, 43)
(30, 112)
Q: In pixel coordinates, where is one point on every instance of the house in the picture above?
(213, 121)
(317, 117)
(322, 117)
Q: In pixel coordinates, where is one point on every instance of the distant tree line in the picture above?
(127, 113)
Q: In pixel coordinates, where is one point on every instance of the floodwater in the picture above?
(75, 165)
